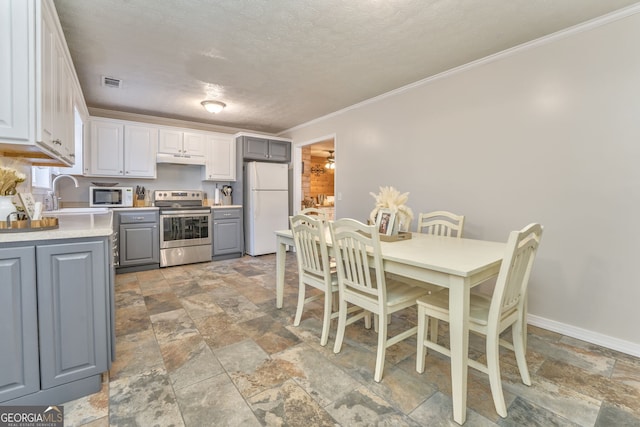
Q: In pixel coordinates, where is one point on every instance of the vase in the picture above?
(6, 207)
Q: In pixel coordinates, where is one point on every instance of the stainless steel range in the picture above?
(185, 227)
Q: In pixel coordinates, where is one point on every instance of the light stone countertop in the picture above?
(226, 206)
(70, 227)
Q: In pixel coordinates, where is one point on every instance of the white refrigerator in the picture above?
(266, 205)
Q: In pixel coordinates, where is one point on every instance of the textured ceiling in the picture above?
(280, 63)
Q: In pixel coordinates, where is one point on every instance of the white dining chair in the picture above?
(441, 223)
(362, 282)
(314, 268)
(490, 315)
(314, 212)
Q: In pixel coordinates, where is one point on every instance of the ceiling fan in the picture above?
(331, 161)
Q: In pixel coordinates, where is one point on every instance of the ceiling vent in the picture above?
(111, 82)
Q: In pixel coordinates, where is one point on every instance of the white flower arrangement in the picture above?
(390, 198)
(9, 179)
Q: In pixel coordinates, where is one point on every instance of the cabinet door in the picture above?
(140, 145)
(72, 311)
(279, 151)
(221, 159)
(227, 236)
(19, 365)
(106, 149)
(255, 148)
(139, 244)
(193, 144)
(16, 87)
(49, 58)
(170, 141)
(64, 109)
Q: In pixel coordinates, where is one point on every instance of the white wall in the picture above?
(548, 133)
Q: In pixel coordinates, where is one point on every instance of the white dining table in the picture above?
(457, 264)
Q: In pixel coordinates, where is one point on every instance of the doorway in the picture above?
(314, 183)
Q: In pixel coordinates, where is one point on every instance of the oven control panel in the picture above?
(178, 195)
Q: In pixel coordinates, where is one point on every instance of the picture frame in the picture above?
(385, 221)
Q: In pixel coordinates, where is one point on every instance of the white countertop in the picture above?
(226, 206)
(71, 226)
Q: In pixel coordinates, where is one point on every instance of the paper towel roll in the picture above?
(216, 197)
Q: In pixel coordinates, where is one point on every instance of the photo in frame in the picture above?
(385, 220)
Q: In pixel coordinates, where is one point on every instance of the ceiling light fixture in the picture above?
(331, 161)
(213, 106)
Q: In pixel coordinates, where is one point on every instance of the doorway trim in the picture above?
(297, 168)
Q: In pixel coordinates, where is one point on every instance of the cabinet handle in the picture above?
(227, 214)
(139, 218)
(72, 155)
(57, 142)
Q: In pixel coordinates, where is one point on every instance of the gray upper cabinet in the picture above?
(72, 311)
(263, 149)
(19, 365)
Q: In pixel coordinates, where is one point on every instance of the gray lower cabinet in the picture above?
(227, 233)
(139, 240)
(19, 366)
(55, 324)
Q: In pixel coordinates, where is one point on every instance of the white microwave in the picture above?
(110, 197)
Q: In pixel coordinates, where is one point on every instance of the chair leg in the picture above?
(420, 337)
(493, 367)
(326, 320)
(520, 349)
(382, 346)
(434, 330)
(342, 323)
(301, 298)
(367, 320)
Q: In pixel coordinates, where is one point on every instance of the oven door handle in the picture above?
(185, 212)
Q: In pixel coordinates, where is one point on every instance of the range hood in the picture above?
(180, 160)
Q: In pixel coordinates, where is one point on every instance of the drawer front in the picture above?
(136, 217)
(226, 213)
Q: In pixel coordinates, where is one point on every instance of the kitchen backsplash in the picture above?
(169, 177)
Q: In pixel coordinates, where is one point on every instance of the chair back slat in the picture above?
(311, 250)
(320, 214)
(441, 223)
(513, 279)
(358, 257)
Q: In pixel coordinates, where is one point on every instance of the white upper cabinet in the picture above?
(181, 144)
(17, 121)
(36, 116)
(220, 164)
(122, 149)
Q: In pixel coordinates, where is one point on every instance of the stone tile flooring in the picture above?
(204, 345)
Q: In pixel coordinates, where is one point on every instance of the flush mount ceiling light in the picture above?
(213, 106)
(331, 161)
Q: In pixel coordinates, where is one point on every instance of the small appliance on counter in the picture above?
(110, 197)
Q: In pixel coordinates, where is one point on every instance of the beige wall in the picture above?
(547, 133)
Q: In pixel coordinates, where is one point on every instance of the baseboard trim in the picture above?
(617, 344)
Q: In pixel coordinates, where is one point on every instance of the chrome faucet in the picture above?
(55, 197)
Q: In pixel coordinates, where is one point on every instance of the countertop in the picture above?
(70, 227)
(226, 206)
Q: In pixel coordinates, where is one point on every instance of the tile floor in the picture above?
(203, 345)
